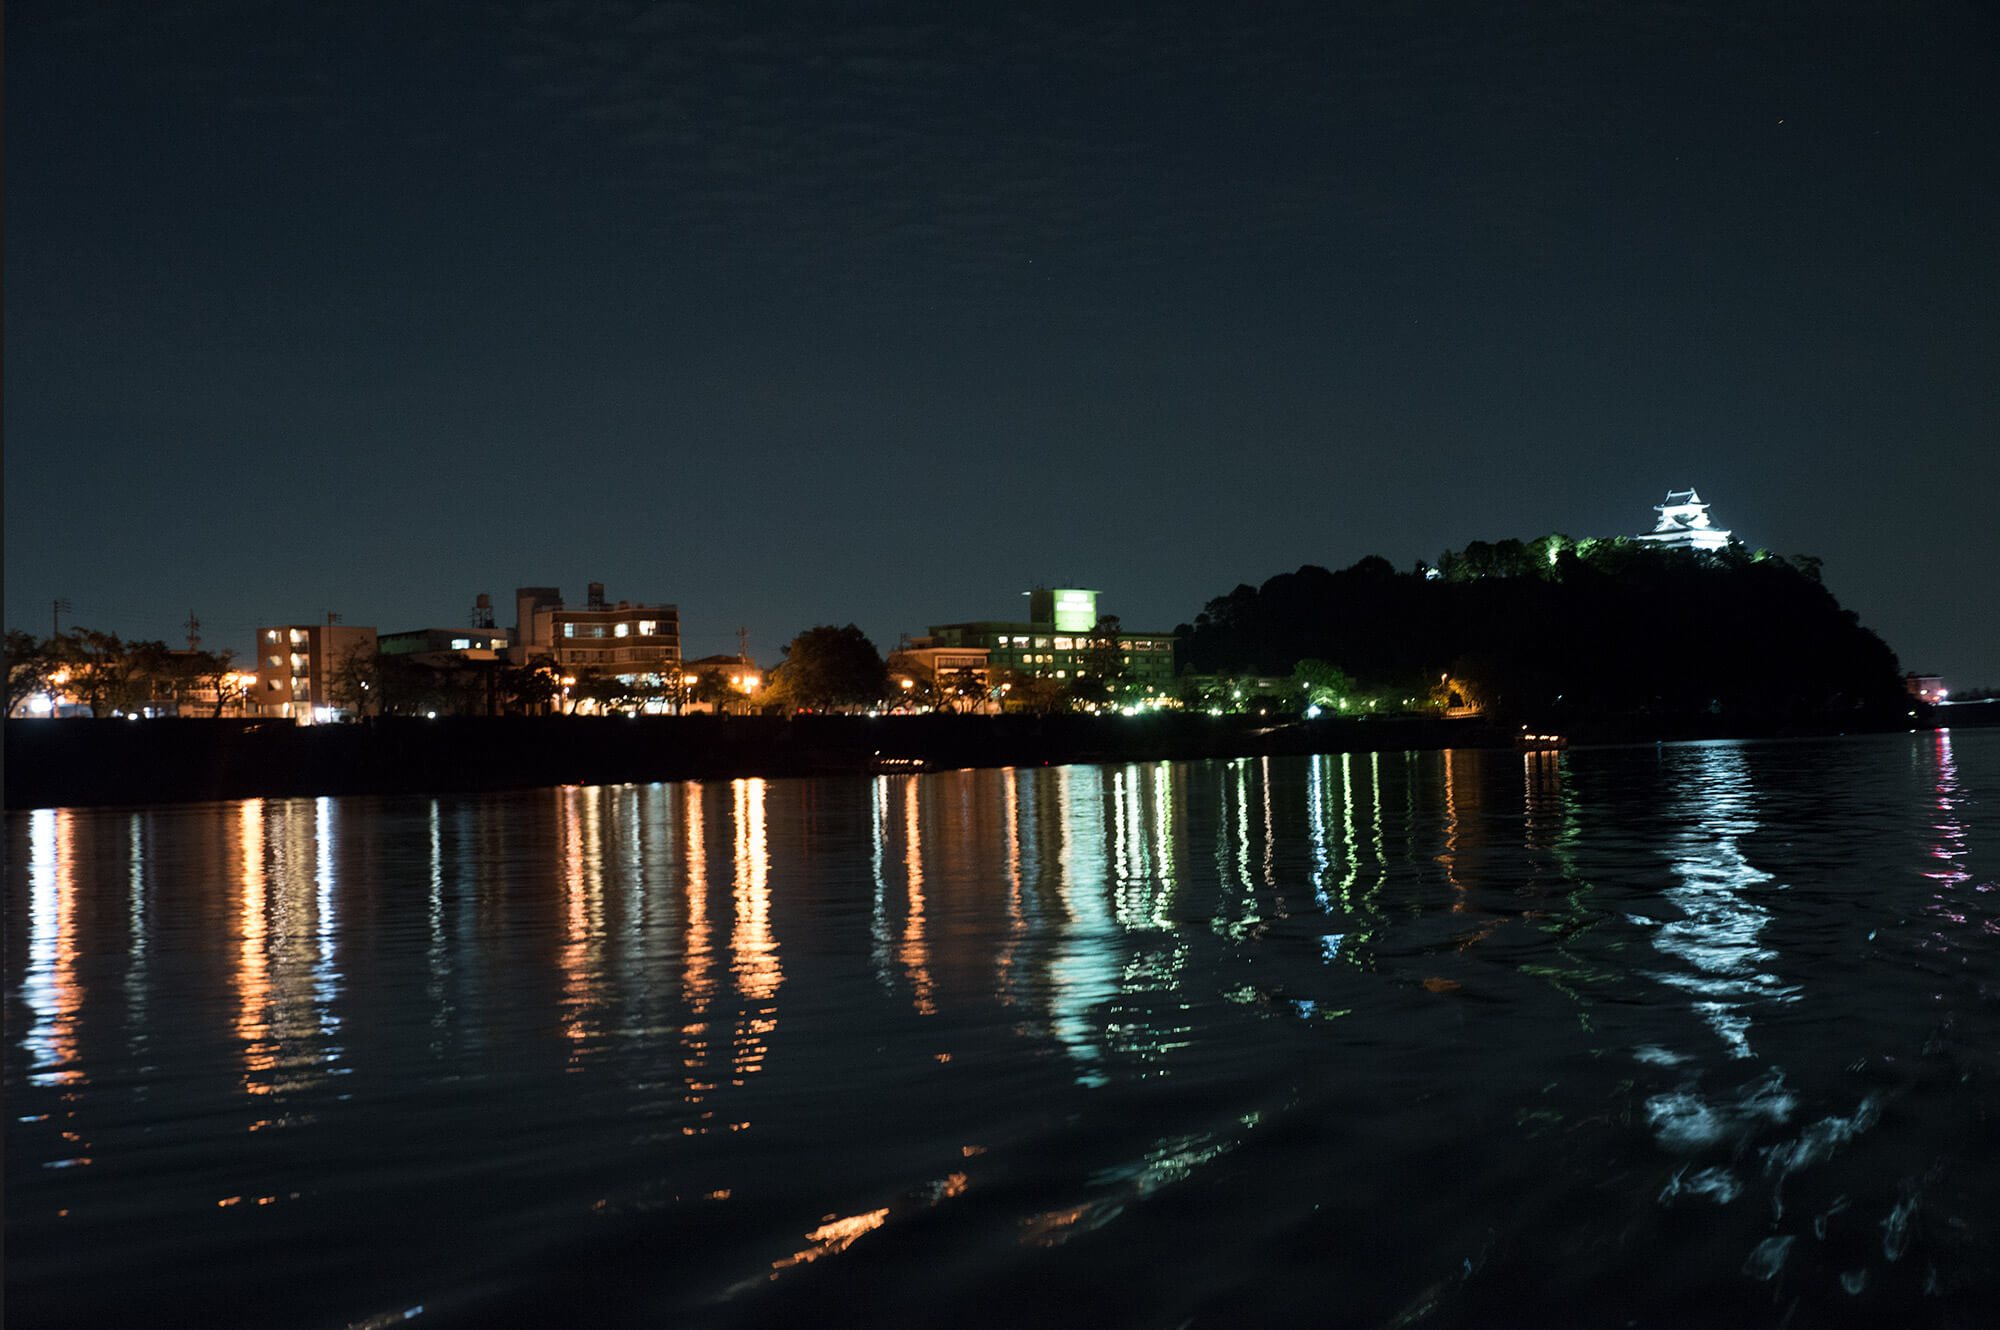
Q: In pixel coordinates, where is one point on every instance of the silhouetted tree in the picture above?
(830, 667)
(31, 661)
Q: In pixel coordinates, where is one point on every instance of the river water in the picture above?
(1705, 1034)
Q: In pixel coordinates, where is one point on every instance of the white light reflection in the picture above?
(754, 949)
(1244, 888)
(435, 918)
(581, 958)
(1349, 841)
(1949, 901)
(137, 948)
(285, 980)
(1144, 873)
(326, 979)
(50, 986)
(1717, 937)
(1322, 853)
(1084, 972)
(1270, 829)
(1166, 856)
(878, 919)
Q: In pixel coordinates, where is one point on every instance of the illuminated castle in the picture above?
(1684, 524)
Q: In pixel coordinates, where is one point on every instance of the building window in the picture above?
(569, 630)
(647, 627)
(298, 637)
(597, 630)
(460, 643)
(622, 630)
(271, 635)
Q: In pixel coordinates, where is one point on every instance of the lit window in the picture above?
(271, 635)
(460, 643)
(597, 630)
(298, 637)
(647, 627)
(1059, 674)
(622, 630)
(569, 630)
(1062, 644)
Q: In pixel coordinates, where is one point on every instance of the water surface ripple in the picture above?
(1698, 1034)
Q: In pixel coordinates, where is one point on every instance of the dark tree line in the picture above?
(112, 676)
(1554, 627)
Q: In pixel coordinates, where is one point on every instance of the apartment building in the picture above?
(296, 664)
(624, 638)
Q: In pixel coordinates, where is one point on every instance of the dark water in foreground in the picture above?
(1701, 1035)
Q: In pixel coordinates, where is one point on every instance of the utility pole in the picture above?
(62, 607)
(743, 644)
(193, 626)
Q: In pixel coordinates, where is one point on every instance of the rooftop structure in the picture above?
(1684, 524)
(437, 646)
(620, 638)
(948, 678)
(1059, 641)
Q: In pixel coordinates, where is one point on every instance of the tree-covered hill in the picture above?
(1556, 627)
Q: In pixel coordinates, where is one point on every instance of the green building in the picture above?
(1059, 640)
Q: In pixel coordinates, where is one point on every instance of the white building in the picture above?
(1684, 524)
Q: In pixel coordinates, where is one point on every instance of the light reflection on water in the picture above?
(904, 1026)
(1716, 936)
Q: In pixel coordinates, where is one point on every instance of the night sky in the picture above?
(799, 314)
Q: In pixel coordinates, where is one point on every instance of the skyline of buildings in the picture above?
(294, 663)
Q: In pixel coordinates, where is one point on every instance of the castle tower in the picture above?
(1684, 524)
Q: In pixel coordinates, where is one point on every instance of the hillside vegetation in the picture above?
(1557, 628)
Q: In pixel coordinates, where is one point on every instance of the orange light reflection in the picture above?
(915, 953)
(253, 968)
(835, 1235)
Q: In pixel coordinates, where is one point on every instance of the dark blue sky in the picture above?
(794, 314)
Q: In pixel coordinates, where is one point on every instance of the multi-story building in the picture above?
(1060, 640)
(622, 638)
(439, 646)
(296, 665)
(949, 678)
(1684, 524)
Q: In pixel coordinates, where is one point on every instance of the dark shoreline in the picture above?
(58, 763)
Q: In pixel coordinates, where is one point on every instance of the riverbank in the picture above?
(53, 763)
